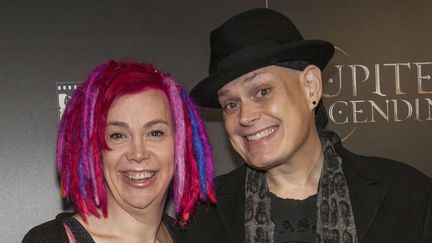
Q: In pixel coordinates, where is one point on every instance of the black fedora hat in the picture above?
(251, 40)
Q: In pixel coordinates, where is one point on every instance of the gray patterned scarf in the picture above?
(335, 219)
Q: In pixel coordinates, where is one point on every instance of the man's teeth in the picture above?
(139, 175)
(262, 134)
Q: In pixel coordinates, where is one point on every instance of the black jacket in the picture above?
(392, 202)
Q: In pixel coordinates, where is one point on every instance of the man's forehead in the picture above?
(245, 78)
(255, 76)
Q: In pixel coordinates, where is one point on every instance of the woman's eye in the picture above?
(156, 133)
(263, 92)
(116, 136)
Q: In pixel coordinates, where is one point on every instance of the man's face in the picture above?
(268, 114)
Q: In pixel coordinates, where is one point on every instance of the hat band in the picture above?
(246, 55)
(298, 65)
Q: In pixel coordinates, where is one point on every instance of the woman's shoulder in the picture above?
(50, 231)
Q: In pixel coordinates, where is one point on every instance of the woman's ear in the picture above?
(312, 81)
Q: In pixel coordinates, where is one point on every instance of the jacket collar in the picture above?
(231, 204)
(366, 190)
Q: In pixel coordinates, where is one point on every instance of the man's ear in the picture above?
(312, 81)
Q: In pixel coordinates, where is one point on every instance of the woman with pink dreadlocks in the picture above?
(129, 138)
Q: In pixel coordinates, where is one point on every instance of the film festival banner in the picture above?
(357, 94)
(64, 94)
(398, 101)
(387, 103)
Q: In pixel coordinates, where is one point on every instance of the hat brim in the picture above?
(315, 52)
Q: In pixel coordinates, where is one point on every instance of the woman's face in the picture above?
(140, 165)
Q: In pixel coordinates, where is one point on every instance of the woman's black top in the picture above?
(54, 231)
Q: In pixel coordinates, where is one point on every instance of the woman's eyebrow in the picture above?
(147, 125)
(154, 122)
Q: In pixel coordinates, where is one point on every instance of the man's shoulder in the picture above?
(49, 231)
(382, 168)
(234, 177)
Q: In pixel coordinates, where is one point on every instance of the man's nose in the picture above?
(249, 113)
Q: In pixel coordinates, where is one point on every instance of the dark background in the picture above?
(46, 42)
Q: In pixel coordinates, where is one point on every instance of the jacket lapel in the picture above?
(231, 200)
(366, 192)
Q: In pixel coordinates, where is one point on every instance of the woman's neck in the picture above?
(128, 225)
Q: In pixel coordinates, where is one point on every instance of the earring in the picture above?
(314, 102)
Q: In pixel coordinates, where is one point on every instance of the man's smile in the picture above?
(262, 134)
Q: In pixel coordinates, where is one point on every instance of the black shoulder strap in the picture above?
(81, 235)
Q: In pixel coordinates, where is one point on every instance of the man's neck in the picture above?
(299, 177)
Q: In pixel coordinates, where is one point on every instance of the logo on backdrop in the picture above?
(64, 94)
(380, 92)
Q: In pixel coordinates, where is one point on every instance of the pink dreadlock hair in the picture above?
(81, 138)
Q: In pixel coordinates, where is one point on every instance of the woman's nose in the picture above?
(138, 151)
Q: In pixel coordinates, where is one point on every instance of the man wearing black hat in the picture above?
(299, 184)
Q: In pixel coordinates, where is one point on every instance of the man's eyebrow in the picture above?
(221, 93)
(248, 78)
(251, 77)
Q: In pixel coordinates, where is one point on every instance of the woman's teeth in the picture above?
(262, 134)
(139, 175)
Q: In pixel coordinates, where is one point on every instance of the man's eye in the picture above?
(229, 106)
(263, 92)
(116, 136)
